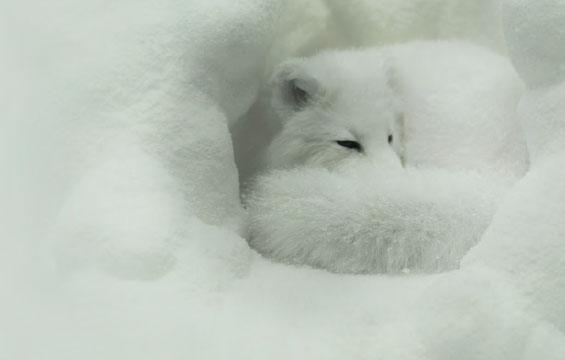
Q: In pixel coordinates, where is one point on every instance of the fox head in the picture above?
(334, 108)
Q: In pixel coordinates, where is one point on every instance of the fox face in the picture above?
(335, 108)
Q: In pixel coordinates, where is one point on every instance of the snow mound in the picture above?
(145, 145)
(533, 29)
(526, 239)
(308, 26)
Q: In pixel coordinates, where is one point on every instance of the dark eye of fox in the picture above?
(354, 145)
(390, 138)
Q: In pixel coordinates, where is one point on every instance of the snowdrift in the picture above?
(124, 233)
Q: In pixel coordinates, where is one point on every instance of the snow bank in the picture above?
(365, 22)
(526, 239)
(130, 130)
(145, 144)
(308, 26)
(533, 30)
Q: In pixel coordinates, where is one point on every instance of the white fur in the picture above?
(370, 221)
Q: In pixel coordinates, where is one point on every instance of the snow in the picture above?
(311, 25)
(122, 224)
(365, 22)
(533, 29)
(536, 207)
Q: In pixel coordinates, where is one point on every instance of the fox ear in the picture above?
(293, 87)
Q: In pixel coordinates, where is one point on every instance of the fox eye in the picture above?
(390, 138)
(353, 145)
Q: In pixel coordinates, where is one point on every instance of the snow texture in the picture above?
(311, 25)
(120, 198)
(527, 237)
(534, 30)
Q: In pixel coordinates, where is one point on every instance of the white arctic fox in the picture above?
(339, 198)
(332, 109)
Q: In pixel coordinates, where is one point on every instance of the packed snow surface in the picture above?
(123, 233)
